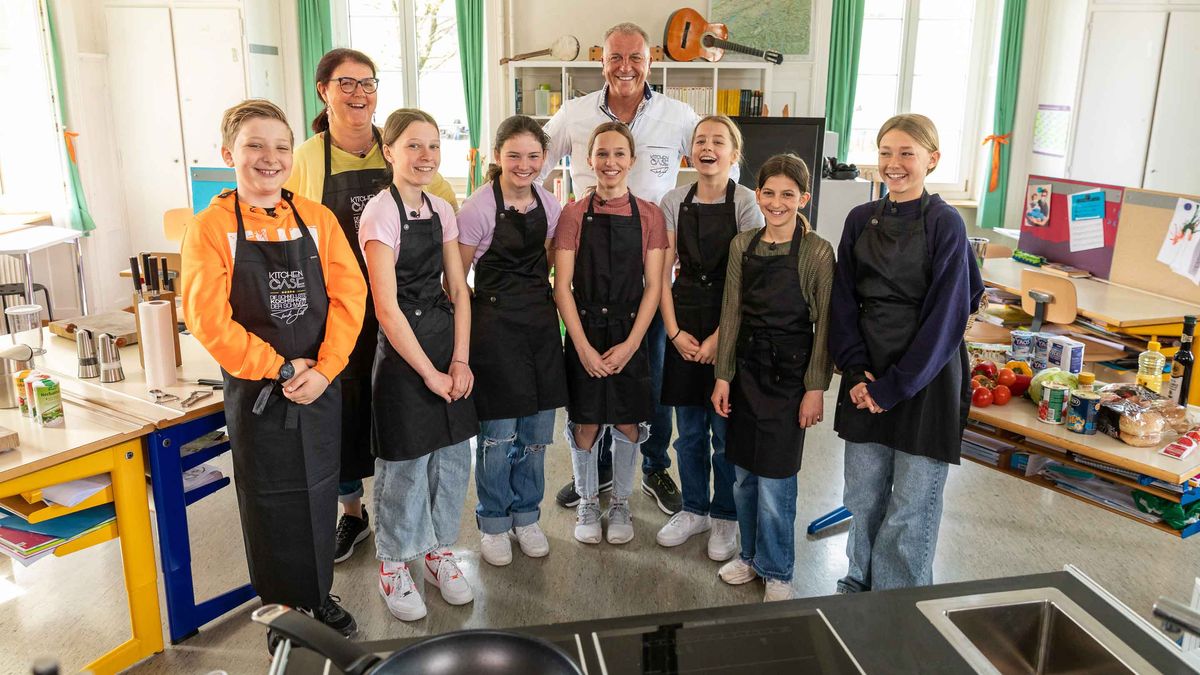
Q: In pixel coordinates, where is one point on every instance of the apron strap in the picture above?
(499, 195)
(328, 141)
(401, 207)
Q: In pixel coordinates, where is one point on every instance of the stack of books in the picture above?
(28, 542)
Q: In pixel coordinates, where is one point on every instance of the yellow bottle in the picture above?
(1150, 366)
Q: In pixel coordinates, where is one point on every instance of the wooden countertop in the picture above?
(1112, 304)
(1020, 416)
(131, 396)
(85, 430)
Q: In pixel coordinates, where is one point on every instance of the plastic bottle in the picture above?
(541, 100)
(1150, 366)
(1087, 382)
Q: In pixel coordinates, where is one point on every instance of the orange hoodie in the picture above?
(206, 281)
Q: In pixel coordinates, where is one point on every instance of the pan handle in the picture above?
(307, 632)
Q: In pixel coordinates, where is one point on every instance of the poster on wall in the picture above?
(1086, 220)
(1037, 205)
(780, 25)
(1051, 129)
(1180, 249)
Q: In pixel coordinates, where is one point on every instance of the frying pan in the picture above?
(468, 652)
(565, 48)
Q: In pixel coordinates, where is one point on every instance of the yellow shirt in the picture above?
(308, 170)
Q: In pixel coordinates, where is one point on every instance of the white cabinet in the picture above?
(172, 72)
(1171, 164)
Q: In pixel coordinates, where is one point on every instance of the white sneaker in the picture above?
(398, 590)
(587, 521)
(722, 540)
(737, 572)
(778, 590)
(532, 540)
(620, 523)
(496, 549)
(680, 528)
(441, 570)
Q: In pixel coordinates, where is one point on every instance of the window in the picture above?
(31, 158)
(414, 44)
(925, 56)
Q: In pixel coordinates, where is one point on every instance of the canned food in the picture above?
(1053, 407)
(1022, 344)
(1082, 411)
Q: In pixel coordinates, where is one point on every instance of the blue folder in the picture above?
(70, 525)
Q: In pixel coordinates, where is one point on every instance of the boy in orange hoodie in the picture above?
(272, 290)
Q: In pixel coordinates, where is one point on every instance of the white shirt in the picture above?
(662, 128)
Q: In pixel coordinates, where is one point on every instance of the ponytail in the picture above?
(493, 172)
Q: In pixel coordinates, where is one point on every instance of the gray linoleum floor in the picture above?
(74, 607)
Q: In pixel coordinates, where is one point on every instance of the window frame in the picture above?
(978, 99)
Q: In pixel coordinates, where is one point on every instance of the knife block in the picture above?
(137, 322)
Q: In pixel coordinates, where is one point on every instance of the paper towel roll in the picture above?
(158, 343)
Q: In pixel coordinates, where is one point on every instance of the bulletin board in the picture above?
(1146, 222)
(1049, 234)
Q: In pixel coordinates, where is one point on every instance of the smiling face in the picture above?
(611, 158)
(713, 149)
(415, 154)
(261, 158)
(903, 165)
(626, 63)
(349, 110)
(780, 199)
(521, 159)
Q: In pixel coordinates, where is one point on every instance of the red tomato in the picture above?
(1001, 395)
(980, 381)
(1006, 377)
(982, 397)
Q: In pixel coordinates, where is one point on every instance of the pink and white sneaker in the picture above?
(397, 588)
(441, 570)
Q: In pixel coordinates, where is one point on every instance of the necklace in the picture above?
(361, 154)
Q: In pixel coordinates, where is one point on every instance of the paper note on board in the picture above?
(1037, 205)
(1086, 220)
(1180, 245)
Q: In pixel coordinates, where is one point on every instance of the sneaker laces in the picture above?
(677, 519)
(344, 528)
(618, 512)
(401, 579)
(663, 482)
(588, 513)
(446, 558)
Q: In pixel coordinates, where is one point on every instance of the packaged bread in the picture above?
(1142, 429)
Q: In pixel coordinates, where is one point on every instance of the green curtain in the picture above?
(470, 56)
(844, 42)
(316, 38)
(78, 213)
(991, 209)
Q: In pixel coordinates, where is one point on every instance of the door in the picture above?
(1171, 165)
(211, 71)
(141, 73)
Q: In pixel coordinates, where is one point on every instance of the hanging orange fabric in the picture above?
(473, 164)
(996, 141)
(70, 138)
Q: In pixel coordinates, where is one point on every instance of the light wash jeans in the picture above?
(654, 451)
(896, 499)
(585, 461)
(419, 502)
(510, 471)
(698, 458)
(766, 515)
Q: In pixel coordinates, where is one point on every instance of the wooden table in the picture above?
(93, 442)
(1111, 304)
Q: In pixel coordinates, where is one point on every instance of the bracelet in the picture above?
(672, 339)
(462, 362)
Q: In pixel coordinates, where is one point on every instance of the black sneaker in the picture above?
(350, 531)
(660, 486)
(331, 614)
(569, 499)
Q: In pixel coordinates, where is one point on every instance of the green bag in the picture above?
(1173, 514)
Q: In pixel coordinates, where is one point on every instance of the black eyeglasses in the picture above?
(349, 84)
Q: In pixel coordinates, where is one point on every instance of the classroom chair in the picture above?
(174, 221)
(1048, 298)
(12, 284)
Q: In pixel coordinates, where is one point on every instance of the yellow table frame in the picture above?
(125, 463)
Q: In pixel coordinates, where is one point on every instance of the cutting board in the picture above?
(8, 439)
(120, 324)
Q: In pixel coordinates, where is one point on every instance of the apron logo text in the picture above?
(289, 295)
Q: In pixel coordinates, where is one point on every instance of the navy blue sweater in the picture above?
(954, 293)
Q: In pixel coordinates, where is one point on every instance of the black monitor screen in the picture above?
(767, 136)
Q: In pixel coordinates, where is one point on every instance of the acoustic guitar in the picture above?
(689, 36)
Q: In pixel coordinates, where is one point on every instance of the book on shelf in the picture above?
(740, 102)
(518, 97)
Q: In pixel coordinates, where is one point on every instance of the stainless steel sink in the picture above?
(1038, 630)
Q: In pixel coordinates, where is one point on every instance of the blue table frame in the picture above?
(185, 615)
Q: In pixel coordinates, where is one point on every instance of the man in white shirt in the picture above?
(662, 128)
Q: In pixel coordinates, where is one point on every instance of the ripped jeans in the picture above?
(510, 470)
(585, 461)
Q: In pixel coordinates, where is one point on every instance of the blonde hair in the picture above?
(735, 134)
(618, 127)
(920, 127)
(790, 167)
(251, 108)
(401, 119)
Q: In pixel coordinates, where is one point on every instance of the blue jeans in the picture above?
(654, 450)
(766, 515)
(697, 458)
(896, 499)
(419, 502)
(585, 462)
(510, 471)
(350, 490)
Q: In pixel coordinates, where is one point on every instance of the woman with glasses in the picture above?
(342, 166)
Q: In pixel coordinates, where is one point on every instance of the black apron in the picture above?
(774, 343)
(516, 347)
(346, 193)
(892, 281)
(285, 456)
(702, 235)
(409, 420)
(608, 286)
